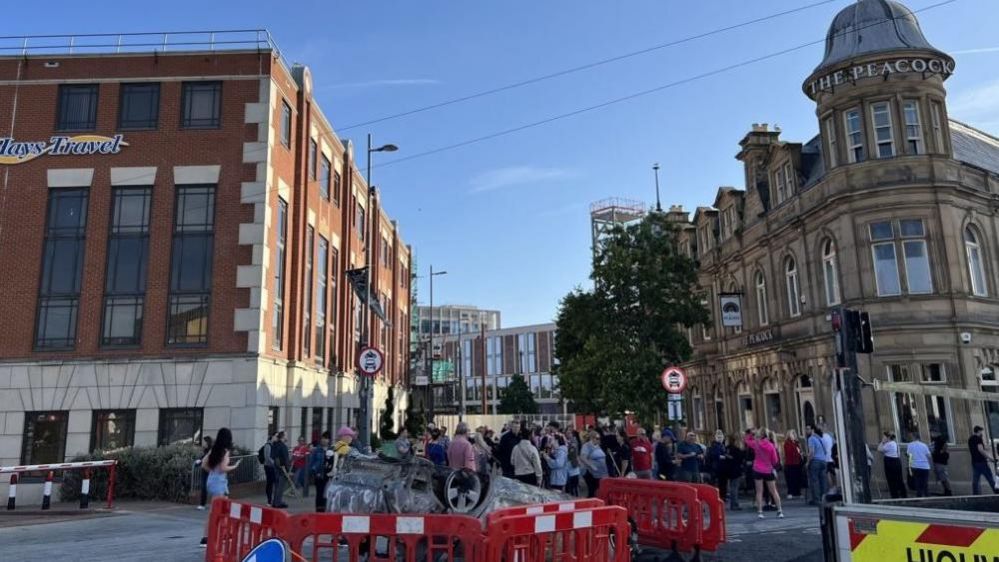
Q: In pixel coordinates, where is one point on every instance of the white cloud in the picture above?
(513, 176)
(386, 82)
(977, 106)
(975, 51)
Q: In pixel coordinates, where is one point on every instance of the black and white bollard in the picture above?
(85, 490)
(47, 493)
(12, 491)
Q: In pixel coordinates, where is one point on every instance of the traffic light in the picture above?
(866, 341)
(858, 331)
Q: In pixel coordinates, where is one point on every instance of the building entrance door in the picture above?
(806, 401)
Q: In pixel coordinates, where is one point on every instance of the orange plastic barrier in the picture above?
(385, 537)
(588, 535)
(552, 507)
(665, 514)
(235, 528)
(713, 509)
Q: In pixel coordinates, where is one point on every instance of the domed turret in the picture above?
(872, 26)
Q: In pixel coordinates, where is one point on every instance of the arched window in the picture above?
(830, 271)
(976, 269)
(761, 299)
(699, 421)
(772, 404)
(745, 405)
(793, 290)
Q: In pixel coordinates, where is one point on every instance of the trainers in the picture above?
(204, 542)
(201, 508)
(780, 515)
(759, 514)
(790, 497)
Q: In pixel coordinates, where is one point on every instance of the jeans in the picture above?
(271, 475)
(980, 469)
(302, 480)
(921, 481)
(817, 483)
(733, 492)
(279, 484)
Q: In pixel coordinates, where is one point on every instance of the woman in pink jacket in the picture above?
(765, 464)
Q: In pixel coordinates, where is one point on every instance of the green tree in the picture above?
(415, 422)
(386, 422)
(614, 341)
(517, 398)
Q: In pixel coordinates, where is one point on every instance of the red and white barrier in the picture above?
(87, 466)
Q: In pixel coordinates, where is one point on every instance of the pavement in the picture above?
(164, 532)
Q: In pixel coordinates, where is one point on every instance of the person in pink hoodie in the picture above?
(765, 465)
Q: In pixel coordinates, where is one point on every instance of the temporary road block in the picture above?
(397, 538)
(665, 514)
(16, 470)
(551, 507)
(712, 509)
(12, 491)
(235, 528)
(589, 535)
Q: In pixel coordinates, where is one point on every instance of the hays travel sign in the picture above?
(884, 69)
(13, 151)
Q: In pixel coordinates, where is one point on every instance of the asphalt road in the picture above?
(170, 533)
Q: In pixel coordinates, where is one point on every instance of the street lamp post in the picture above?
(659, 207)
(367, 383)
(430, 355)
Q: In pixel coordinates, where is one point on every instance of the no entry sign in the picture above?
(674, 380)
(369, 361)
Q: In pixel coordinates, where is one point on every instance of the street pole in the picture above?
(364, 390)
(659, 207)
(430, 356)
(461, 382)
(857, 475)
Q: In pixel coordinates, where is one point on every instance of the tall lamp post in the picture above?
(430, 355)
(655, 168)
(367, 383)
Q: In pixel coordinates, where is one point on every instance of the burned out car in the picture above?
(385, 484)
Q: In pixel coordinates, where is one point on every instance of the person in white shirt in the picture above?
(920, 462)
(893, 465)
(526, 460)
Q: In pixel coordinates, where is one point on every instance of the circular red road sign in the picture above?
(674, 380)
(369, 361)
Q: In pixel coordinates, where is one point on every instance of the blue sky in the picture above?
(508, 218)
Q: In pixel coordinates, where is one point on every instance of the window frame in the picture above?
(936, 122)
(324, 177)
(185, 297)
(793, 286)
(128, 422)
(974, 255)
(50, 297)
(280, 281)
(780, 193)
(830, 272)
(151, 124)
(914, 144)
(853, 156)
(64, 91)
(188, 122)
(762, 308)
(875, 128)
(830, 130)
(285, 131)
(313, 159)
(310, 250)
(113, 298)
(27, 446)
(197, 414)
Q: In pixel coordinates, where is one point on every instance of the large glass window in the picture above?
(830, 271)
(331, 321)
(883, 136)
(793, 289)
(201, 105)
(913, 130)
(313, 150)
(191, 265)
(761, 299)
(903, 404)
(310, 248)
(285, 124)
(976, 269)
(44, 438)
(324, 178)
(774, 411)
(359, 220)
(112, 429)
(937, 122)
(139, 106)
(128, 254)
(466, 359)
(698, 407)
(528, 352)
(322, 266)
(779, 181)
(77, 110)
(62, 269)
(179, 425)
(830, 132)
(917, 260)
(885, 263)
(854, 136)
(336, 188)
(745, 403)
(277, 317)
(494, 355)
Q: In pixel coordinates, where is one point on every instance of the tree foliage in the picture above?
(517, 398)
(614, 341)
(416, 421)
(386, 422)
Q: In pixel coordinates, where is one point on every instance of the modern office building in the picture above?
(891, 208)
(176, 227)
(455, 319)
(485, 364)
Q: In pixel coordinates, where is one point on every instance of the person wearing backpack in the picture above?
(264, 457)
(282, 460)
(317, 468)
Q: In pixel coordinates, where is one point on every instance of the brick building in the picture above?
(891, 208)
(176, 228)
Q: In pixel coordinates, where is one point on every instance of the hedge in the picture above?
(143, 473)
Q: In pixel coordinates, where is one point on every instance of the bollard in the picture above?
(12, 491)
(85, 490)
(47, 494)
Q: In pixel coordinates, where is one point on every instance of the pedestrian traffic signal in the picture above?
(859, 336)
(866, 342)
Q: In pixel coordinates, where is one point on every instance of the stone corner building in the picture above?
(891, 208)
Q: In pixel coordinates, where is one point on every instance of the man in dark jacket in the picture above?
(279, 454)
(507, 442)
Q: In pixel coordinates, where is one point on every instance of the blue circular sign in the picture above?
(271, 550)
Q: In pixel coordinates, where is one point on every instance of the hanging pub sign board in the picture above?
(369, 361)
(674, 380)
(731, 309)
